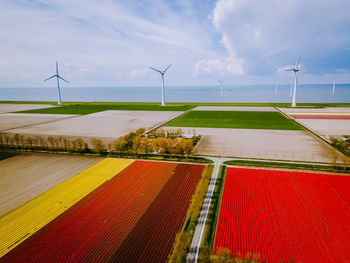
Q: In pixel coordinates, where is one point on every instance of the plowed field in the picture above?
(280, 215)
(141, 209)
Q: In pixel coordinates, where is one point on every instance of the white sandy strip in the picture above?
(25, 176)
(230, 108)
(107, 124)
(264, 144)
(321, 110)
(328, 127)
(16, 120)
(21, 107)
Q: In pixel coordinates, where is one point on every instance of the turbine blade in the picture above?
(62, 78)
(50, 77)
(297, 65)
(156, 70)
(166, 68)
(56, 68)
(290, 69)
(220, 81)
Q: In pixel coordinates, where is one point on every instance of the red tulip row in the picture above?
(94, 227)
(152, 237)
(282, 215)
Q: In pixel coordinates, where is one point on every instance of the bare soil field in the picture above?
(233, 108)
(106, 125)
(326, 127)
(312, 110)
(265, 144)
(26, 176)
(17, 120)
(21, 107)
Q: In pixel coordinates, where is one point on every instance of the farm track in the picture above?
(152, 237)
(94, 227)
(24, 221)
(285, 215)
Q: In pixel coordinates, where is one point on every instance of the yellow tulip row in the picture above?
(24, 221)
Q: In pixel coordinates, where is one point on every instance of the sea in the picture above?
(307, 93)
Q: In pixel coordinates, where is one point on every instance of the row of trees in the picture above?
(131, 143)
(55, 143)
(341, 145)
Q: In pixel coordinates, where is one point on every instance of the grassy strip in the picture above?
(83, 109)
(210, 225)
(184, 238)
(235, 119)
(326, 168)
(192, 104)
(157, 157)
(5, 154)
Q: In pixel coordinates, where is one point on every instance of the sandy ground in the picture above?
(25, 176)
(266, 144)
(312, 110)
(107, 124)
(229, 108)
(21, 107)
(327, 128)
(17, 120)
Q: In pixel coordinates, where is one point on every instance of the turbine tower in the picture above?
(276, 89)
(221, 84)
(333, 89)
(162, 75)
(57, 76)
(296, 70)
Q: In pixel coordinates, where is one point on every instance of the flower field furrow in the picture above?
(280, 215)
(23, 222)
(152, 237)
(93, 227)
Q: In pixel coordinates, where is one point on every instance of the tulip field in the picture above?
(285, 215)
(132, 215)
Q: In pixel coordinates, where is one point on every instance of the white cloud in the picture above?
(139, 73)
(222, 67)
(103, 41)
(269, 34)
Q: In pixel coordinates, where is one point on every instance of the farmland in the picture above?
(284, 215)
(143, 205)
(9, 107)
(83, 109)
(25, 176)
(24, 221)
(235, 119)
(107, 125)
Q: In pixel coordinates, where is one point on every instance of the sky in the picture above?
(114, 42)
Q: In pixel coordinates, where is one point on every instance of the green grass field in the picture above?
(91, 108)
(235, 119)
(189, 104)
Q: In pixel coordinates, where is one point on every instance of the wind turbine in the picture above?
(57, 76)
(221, 84)
(333, 89)
(296, 70)
(275, 93)
(162, 75)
